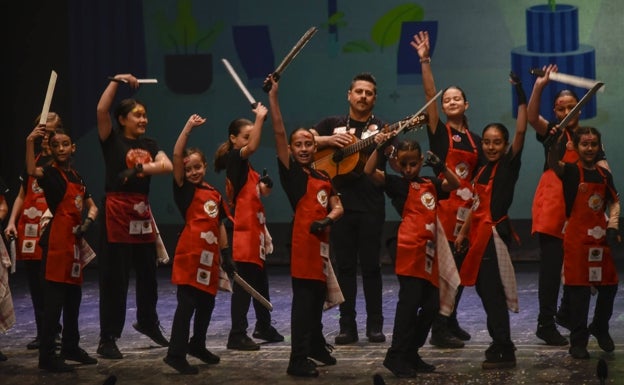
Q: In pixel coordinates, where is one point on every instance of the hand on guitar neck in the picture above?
(352, 157)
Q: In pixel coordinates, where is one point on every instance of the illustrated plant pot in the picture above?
(408, 62)
(188, 74)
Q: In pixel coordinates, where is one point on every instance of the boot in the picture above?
(499, 357)
(348, 332)
(374, 327)
(441, 336)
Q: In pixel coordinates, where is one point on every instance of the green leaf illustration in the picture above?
(357, 46)
(387, 31)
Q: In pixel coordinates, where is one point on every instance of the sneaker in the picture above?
(269, 335)
(33, 345)
(604, 339)
(154, 332)
(242, 343)
(551, 335)
(497, 357)
(55, 364)
(579, 352)
(302, 368)
(399, 368)
(458, 332)
(346, 337)
(204, 355)
(79, 355)
(375, 336)
(181, 365)
(444, 339)
(107, 348)
(324, 355)
(421, 366)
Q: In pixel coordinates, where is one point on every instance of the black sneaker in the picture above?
(269, 335)
(302, 368)
(204, 354)
(107, 348)
(79, 355)
(346, 337)
(55, 364)
(444, 339)
(421, 366)
(154, 332)
(375, 336)
(33, 345)
(458, 332)
(551, 335)
(181, 365)
(498, 357)
(324, 356)
(399, 368)
(579, 352)
(604, 339)
(242, 343)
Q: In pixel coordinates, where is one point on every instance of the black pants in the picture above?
(306, 318)
(257, 278)
(551, 261)
(34, 276)
(490, 288)
(114, 265)
(357, 237)
(418, 304)
(191, 300)
(59, 298)
(579, 310)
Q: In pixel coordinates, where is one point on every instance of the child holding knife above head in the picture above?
(250, 238)
(202, 247)
(316, 205)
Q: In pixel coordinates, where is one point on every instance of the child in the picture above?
(417, 260)
(316, 205)
(7, 314)
(201, 247)
(67, 198)
(588, 263)
(488, 264)
(250, 239)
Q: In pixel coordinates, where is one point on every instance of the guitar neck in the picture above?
(365, 143)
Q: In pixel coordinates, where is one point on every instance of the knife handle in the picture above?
(267, 85)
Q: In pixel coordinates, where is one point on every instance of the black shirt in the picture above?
(294, 180)
(439, 142)
(183, 197)
(397, 189)
(571, 178)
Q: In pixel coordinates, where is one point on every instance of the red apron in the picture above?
(454, 210)
(310, 252)
(63, 259)
(587, 258)
(197, 259)
(28, 228)
(416, 248)
(480, 229)
(129, 218)
(548, 210)
(249, 223)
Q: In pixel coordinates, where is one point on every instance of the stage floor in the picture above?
(537, 363)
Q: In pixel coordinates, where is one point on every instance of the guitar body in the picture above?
(324, 160)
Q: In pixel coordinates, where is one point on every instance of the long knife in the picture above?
(249, 289)
(48, 99)
(573, 112)
(240, 83)
(289, 58)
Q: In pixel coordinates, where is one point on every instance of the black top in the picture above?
(397, 189)
(561, 146)
(571, 178)
(439, 142)
(236, 170)
(183, 196)
(294, 180)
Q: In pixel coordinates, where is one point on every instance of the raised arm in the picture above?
(31, 163)
(256, 131)
(537, 121)
(279, 131)
(420, 43)
(180, 145)
(104, 121)
(521, 121)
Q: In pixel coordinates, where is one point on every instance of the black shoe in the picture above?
(33, 345)
(204, 354)
(302, 368)
(242, 343)
(55, 364)
(604, 339)
(375, 336)
(421, 366)
(551, 335)
(579, 352)
(3, 357)
(399, 368)
(346, 337)
(444, 339)
(458, 332)
(498, 357)
(154, 332)
(107, 348)
(79, 355)
(269, 335)
(323, 355)
(181, 365)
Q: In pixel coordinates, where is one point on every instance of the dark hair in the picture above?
(296, 130)
(366, 77)
(565, 92)
(500, 127)
(233, 129)
(125, 107)
(409, 145)
(580, 131)
(59, 131)
(463, 94)
(194, 150)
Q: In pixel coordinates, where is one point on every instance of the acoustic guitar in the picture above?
(341, 161)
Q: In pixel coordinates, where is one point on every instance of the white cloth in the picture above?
(506, 270)
(334, 294)
(7, 313)
(449, 279)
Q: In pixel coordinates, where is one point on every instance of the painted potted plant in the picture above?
(189, 69)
